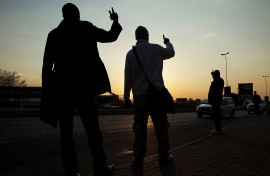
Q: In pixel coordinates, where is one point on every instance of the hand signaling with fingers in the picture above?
(165, 40)
(113, 15)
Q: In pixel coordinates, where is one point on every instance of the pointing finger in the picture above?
(112, 10)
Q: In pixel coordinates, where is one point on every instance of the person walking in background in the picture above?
(72, 60)
(215, 98)
(256, 100)
(151, 57)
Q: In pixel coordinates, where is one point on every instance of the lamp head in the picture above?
(224, 54)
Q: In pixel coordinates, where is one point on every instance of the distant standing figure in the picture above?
(72, 60)
(151, 57)
(256, 100)
(215, 98)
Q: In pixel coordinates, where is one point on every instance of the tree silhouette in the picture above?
(11, 79)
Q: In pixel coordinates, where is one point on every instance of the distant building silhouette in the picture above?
(30, 97)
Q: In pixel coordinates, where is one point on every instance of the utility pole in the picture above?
(227, 89)
(265, 84)
(226, 67)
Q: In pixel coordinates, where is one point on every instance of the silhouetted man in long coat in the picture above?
(215, 98)
(74, 74)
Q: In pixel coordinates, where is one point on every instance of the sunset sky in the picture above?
(200, 30)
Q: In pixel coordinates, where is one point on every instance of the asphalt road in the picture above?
(28, 146)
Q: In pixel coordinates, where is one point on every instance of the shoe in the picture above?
(137, 160)
(216, 132)
(165, 159)
(74, 174)
(105, 170)
(111, 167)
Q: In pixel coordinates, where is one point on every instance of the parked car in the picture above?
(245, 103)
(251, 107)
(227, 108)
(109, 106)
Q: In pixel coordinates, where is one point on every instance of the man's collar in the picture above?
(142, 41)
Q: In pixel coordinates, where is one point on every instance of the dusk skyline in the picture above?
(200, 30)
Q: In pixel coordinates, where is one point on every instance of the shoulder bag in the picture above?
(163, 95)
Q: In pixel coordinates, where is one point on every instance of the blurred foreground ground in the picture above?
(31, 147)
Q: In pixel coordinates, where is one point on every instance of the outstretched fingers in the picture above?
(111, 12)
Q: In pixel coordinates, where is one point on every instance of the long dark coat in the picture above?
(215, 91)
(72, 67)
(71, 51)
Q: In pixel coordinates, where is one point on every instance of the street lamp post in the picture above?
(226, 67)
(265, 85)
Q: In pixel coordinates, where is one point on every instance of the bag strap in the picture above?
(139, 62)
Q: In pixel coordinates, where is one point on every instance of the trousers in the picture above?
(216, 116)
(144, 106)
(88, 112)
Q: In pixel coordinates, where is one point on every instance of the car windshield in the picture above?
(204, 101)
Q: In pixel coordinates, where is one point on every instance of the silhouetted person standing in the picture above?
(215, 98)
(256, 100)
(72, 60)
(151, 57)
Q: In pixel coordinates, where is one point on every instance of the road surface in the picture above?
(28, 146)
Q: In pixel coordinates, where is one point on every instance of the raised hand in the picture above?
(165, 40)
(113, 15)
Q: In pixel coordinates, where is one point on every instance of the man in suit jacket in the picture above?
(74, 74)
